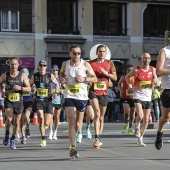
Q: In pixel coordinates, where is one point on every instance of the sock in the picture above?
(79, 132)
(97, 136)
(7, 132)
(43, 138)
(13, 137)
(55, 132)
(88, 127)
(140, 138)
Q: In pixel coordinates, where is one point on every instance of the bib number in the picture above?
(100, 86)
(128, 93)
(14, 97)
(25, 93)
(53, 91)
(42, 92)
(74, 89)
(144, 84)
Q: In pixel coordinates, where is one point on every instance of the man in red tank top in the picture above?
(145, 75)
(127, 99)
(98, 92)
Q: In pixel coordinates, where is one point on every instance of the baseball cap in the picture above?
(25, 71)
(43, 62)
(54, 67)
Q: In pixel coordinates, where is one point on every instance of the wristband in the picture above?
(85, 79)
(107, 74)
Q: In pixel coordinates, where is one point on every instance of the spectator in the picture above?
(116, 104)
(110, 109)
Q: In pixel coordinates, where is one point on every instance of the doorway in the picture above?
(58, 61)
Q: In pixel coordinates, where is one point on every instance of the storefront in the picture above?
(25, 62)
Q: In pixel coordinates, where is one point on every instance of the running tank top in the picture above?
(101, 86)
(73, 89)
(143, 84)
(165, 79)
(13, 95)
(126, 94)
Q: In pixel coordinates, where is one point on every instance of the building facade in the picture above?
(45, 29)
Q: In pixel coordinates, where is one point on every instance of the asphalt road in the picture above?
(119, 152)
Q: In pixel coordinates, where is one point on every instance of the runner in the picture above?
(16, 84)
(56, 106)
(127, 99)
(142, 92)
(73, 74)
(98, 92)
(43, 97)
(25, 118)
(163, 70)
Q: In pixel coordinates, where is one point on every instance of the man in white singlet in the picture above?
(73, 74)
(144, 75)
(163, 70)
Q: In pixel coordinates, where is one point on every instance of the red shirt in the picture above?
(126, 95)
(144, 79)
(101, 87)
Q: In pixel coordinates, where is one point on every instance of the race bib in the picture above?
(144, 84)
(25, 93)
(74, 89)
(42, 92)
(14, 97)
(128, 93)
(53, 91)
(100, 86)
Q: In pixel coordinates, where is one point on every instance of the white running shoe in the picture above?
(54, 137)
(140, 143)
(50, 137)
(79, 138)
(88, 134)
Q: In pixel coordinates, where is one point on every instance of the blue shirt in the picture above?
(53, 86)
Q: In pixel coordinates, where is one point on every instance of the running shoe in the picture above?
(6, 140)
(54, 137)
(17, 138)
(97, 143)
(43, 143)
(23, 140)
(125, 127)
(88, 134)
(159, 141)
(27, 133)
(12, 144)
(50, 137)
(73, 153)
(137, 132)
(79, 138)
(130, 131)
(45, 127)
(140, 143)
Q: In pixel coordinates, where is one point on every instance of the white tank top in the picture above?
(165, 79)
(73, 89)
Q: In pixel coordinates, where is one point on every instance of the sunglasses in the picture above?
(146, 58)
(78, 53)
(42, 65)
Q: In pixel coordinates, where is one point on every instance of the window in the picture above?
(156, 20)
(109, 18)
(62, 16)
(10, 20)
(16, 16)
